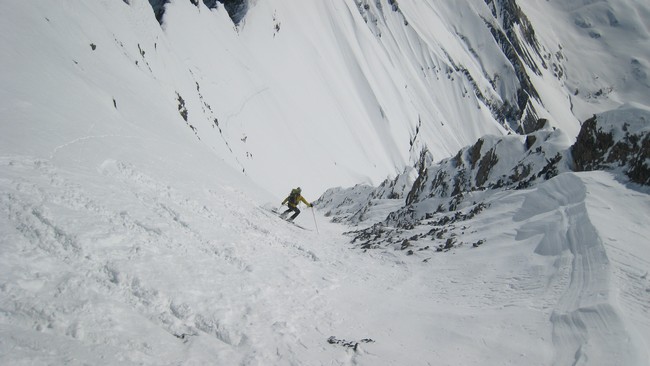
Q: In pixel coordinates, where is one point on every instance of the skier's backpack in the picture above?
(293, 197)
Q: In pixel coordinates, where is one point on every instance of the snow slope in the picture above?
(134, 228)
(297, 80)
(292, 82)
(124, 264)
(377, 81)
(603, 48)
(589, 326)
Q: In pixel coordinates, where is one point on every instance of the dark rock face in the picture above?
(211, 4)
(591, 146)
(237, 9)
(489, 160)
(420, 181)
(158, 7)
(491, 163)
(512, 21)
(614, 144)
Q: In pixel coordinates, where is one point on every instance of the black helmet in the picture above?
(298, 190)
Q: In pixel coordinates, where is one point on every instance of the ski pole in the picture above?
(315, 224)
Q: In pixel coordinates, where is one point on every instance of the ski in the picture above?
(291, 222)
(278, 213)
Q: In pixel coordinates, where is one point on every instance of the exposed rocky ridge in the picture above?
(512, 162)
(615, 141)
(236, 8)
(447, 194)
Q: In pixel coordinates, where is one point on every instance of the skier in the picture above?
(292, 200)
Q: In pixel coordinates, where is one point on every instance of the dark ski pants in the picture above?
(294, 209)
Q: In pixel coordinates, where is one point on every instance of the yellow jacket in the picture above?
(299, 199)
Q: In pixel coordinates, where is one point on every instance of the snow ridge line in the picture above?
(586, 326)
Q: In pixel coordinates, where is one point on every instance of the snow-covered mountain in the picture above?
(497, 150)
(382, 79)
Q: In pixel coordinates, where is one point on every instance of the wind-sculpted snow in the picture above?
(587, 325)
(554, 220)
